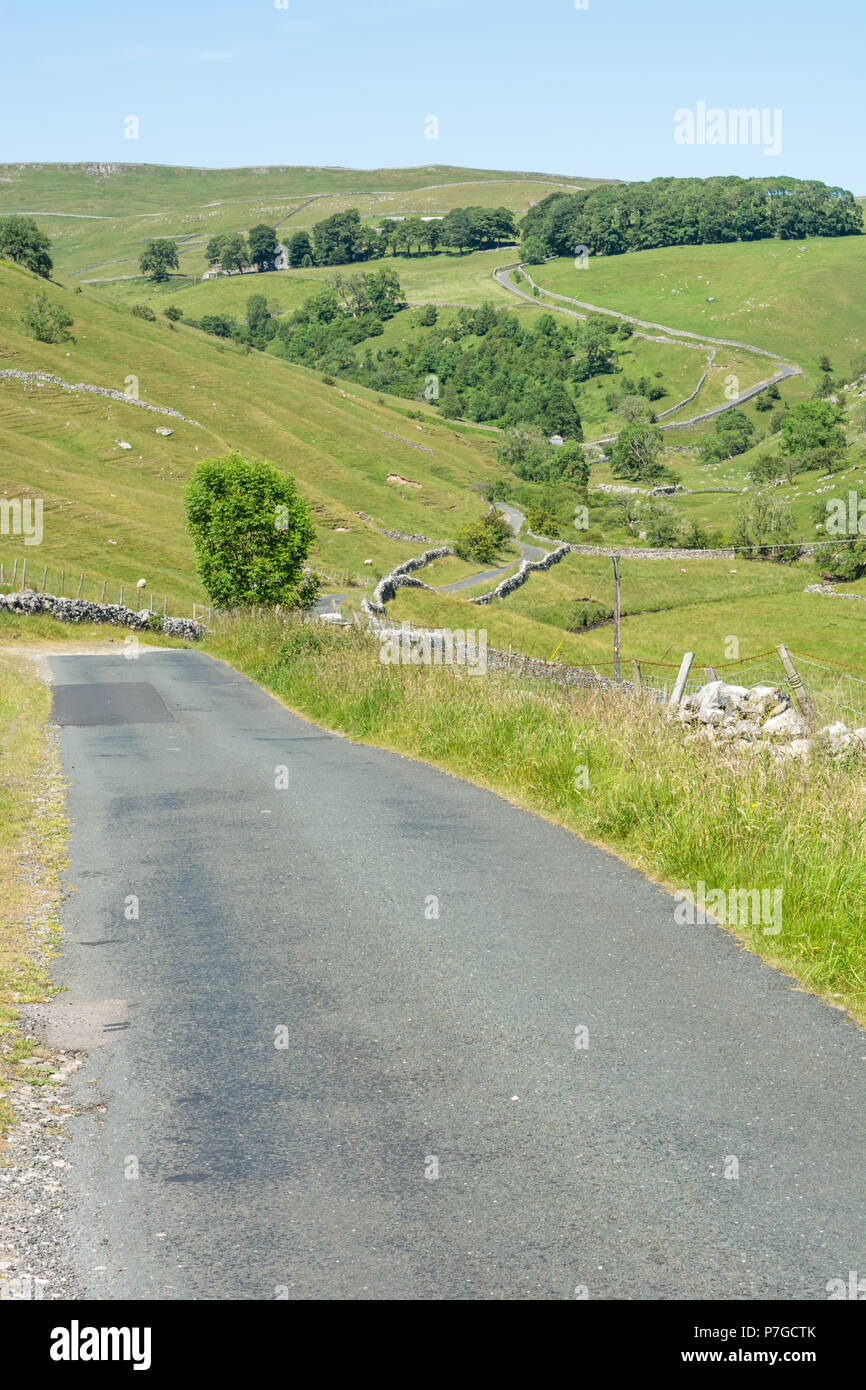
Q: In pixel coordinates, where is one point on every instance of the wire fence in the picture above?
(836, 694)
(24, 573)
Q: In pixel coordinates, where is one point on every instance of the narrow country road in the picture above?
(338, 1024)
(783, 367)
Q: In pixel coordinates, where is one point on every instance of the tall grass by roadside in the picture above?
(680, 812)
(32, 833)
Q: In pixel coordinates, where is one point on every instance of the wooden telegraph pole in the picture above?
(616, 617)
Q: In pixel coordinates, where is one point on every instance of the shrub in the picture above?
(44, 321)
(477, 541)
(845, 562)
(143, 311)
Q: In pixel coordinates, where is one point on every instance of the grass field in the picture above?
(668, 607)
(117, 189)
(799, 298)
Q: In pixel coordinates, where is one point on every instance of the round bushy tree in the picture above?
(251, 531)
(22, 241)
(158, 258)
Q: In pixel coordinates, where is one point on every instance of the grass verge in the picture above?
(32, 839)
(678, 812)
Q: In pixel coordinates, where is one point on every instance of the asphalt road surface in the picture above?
(327, 1090)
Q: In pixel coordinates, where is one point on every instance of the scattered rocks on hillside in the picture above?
(761, 719)
(832, 591)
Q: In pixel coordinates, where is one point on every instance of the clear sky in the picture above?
(514, 84)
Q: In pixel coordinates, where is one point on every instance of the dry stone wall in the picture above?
(75, 610)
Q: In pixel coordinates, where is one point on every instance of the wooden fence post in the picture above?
(14, 573)
(80, 582)
(635, 665)
(62, 582)
(680, 682)
(102, 595)
(44, 578)
(801, 695)
(712, 673)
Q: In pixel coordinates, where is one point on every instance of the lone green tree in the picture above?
(251, 531)
(636, 453)
(158, 258)
(23, 242)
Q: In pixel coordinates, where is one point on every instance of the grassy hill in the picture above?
(800, 298)
(116, 514)
(342, 445)
(98, 216)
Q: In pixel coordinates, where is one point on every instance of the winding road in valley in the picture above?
(357, 1029)
(784, 367)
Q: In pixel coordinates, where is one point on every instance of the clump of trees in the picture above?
(613, 218)
(251, 532)
(734, 434)
(812, 433)
(235, 252)
(342, 313)
(636, 454)
(528, 451)
(343, 238)
(841, 561)
(22, 241)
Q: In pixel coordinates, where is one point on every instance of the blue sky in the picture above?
(514, 85)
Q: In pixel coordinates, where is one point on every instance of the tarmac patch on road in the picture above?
(123, 702)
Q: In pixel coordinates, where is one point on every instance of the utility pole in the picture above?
(616, 617)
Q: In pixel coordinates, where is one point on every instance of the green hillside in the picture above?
(799, 298)
(342, 445)
(115, 514)
(98, 216)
